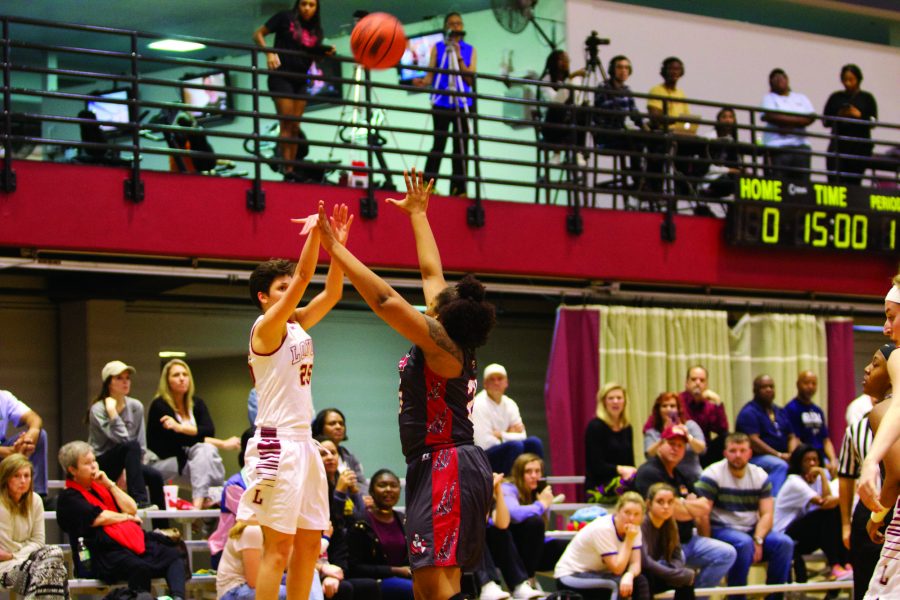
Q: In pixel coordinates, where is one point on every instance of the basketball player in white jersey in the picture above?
(287, 492)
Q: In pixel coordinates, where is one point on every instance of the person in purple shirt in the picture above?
(771, 434)
(704, 407)
(808, 420)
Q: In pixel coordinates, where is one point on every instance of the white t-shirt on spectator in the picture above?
(794, 501)
(489, 416)
(794, 102)
(586, 550)
(231, 568)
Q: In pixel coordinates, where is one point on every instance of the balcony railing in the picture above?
(665, 168)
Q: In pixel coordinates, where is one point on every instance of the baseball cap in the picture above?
(674, 431)
(494, 369)
(113, 368)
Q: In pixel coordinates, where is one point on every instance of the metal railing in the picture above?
(506, 152)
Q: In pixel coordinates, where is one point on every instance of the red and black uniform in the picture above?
(448, 478)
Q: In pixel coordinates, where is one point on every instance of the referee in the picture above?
(864, 553)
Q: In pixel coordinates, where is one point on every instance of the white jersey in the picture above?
(283, 379)
(885, 582)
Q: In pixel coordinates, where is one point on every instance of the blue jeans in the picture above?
(778, 550)
(38, 460)
(245, 592)
(712, 557)
(502, 456)
(396, 588)
(775, 467)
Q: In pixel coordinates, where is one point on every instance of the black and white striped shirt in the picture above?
(854, 448)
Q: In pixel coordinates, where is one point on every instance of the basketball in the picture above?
(378, 41)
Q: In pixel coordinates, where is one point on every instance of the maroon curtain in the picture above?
(573, 377)
(841, 389)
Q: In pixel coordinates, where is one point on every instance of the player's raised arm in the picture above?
(316, 309)
(415, 204)
(282, 300)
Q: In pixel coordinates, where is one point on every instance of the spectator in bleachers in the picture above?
(528, 503)
(668, 411)
(771, 434)
(377, 543)
(32, 442)
(331, 423)
(180, 432)
(704, 407)
(616, 106)
(252, 406)
(607, 550)
(808, 420)
(236, 573)
(560, 114)
(662, 559)
(864, 553)
(508, 560)
(234, 488)
(334, 561)
(789, 157)
(609, 453)
(498, 425)
(807, 511)
(94, 508)
(725, 162)
(850, 103)
(711, 557)
(344, 489)
(28, 566)
(739, 495)
(119, 438)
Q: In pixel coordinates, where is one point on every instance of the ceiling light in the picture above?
(175, 45)
(171, 354)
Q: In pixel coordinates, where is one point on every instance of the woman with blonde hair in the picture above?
(606, 552)
(180, 431)
(28, 566)
(609, 454)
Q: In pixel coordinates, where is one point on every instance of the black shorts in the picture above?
(294, 84)
(448, 495)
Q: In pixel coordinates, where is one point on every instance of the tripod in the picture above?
(368, 130)
(459, 107)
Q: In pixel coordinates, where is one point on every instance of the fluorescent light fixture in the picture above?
(171, 354)
(175, 45)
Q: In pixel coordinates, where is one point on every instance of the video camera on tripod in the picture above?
(591, 48)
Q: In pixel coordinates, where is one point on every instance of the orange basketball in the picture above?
(378, 41)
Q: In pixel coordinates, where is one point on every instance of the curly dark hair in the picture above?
(265, 273)
(795, 462)
(466, 316)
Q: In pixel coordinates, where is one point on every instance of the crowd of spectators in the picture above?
(704, 163)
(683, 519)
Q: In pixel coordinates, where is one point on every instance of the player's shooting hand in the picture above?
(417, 193)
(340, 223)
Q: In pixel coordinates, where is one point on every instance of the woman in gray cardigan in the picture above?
(662, 560)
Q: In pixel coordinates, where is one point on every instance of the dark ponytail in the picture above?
(464, 313)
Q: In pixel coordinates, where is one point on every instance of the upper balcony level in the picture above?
(116, 154)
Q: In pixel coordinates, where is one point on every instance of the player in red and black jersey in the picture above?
(448, 481)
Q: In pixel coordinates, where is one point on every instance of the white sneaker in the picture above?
(492, 591)
(554, 158)
(524, 591)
